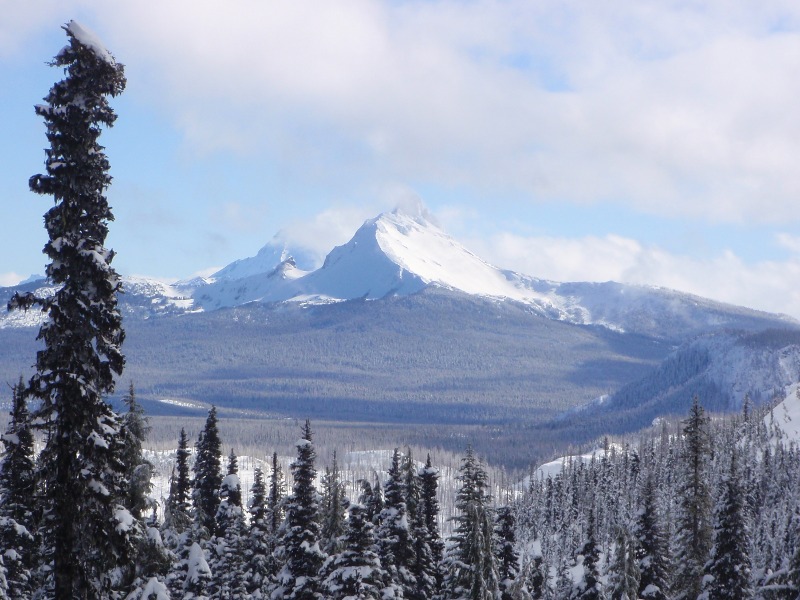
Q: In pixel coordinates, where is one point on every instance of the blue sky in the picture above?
(651, 142)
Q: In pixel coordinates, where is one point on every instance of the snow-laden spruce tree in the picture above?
(275, 514)
(86, 531)
(256, 545)
(623, 571)
(138, 470)
(228, 545)
(590, 587)
(371, 498)
(652, 548)
(207, 476)
(300, 532)
(508, 565)
(729, 567)
(177, 512)
(394, 542)
(469, 562)
(333, 509)
(693, 521)
(355, 571)
(429, 509)
(424, 567)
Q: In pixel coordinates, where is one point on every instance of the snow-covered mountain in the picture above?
(270, 256)
(141, 298)
(720, 367)
(403, 252)
(396, 253)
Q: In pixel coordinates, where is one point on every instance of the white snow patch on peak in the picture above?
(416, 245)
(89, 39)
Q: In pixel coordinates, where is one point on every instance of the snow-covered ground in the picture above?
(354, 466)
(784, 420)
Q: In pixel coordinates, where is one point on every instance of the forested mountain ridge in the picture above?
(722, 367)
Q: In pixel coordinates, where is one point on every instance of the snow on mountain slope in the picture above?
(783, 421)
(148, 297)
(396, 253)
(267, 259)
(141, 297)
(275, 286)
(719, 367)
(402, 252)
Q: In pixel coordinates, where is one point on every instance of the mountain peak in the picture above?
(411, 206)
(276, 252)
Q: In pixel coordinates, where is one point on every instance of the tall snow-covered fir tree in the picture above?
(207, 475)
(590, 587)
(17, 490)
(371, 498)
(177, 512)
(333, 509)
(276, 495)
(275, 513)
(298, 580)
(355, 571)
(227, 553)
(623, 571)
(652, 547)
(506, 552)
(139, 470)
(152, 558)
(469, 562)
(257, 549)
(394, 541)
(429, 509)
(693, 524)
(728, 570)
(424, 567)
(89, 550)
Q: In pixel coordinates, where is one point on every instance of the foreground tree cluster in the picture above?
(316, 543)
(710, 510)
(311, 543)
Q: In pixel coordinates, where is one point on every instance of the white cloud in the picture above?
(11, 278)
(672, 108)
(330, 228)
(765, 285)
(789, 242)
